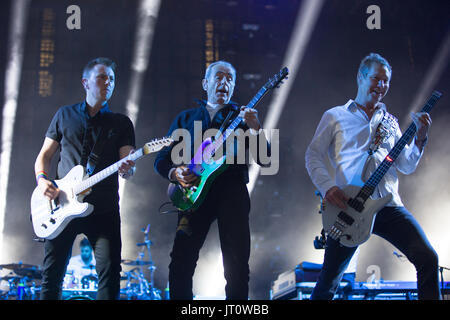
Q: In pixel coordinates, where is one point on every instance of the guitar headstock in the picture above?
(156, 145)
(277, 79)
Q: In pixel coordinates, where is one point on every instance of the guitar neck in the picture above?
(105, 173)
(221, 138)
(375, 178)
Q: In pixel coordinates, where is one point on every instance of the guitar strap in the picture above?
(89, 162)
(385, 129)
(225, 122)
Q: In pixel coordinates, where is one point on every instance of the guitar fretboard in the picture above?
(221, 138)
(105, 173)
(368, 188)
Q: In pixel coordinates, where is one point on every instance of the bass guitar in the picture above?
(353, 226)
(205, 166)
(50, 217)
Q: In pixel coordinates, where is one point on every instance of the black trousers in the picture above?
(228, 202)
(103, 232)
(398, 226)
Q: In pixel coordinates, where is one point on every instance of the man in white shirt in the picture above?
(347, 137)
(83, 264)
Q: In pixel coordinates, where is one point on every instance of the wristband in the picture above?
(41, 174)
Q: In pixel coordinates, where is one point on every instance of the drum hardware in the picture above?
(135, 263)
(21, 286)
(89, 282)
(77, 286)
(79, 297)
(141, 289)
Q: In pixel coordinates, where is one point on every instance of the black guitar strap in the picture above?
(89, 162)
(227, 119)
(225, 122)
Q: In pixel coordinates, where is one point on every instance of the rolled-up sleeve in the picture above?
(409, 158)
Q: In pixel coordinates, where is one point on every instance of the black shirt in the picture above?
(71, 126)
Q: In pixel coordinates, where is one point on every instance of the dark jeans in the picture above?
(400, 228)
(103, 232)
(228, 202)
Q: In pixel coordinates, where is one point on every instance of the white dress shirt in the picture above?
(344, 135)
(79, 268)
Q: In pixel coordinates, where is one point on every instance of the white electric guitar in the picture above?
(353, 226)
(50, 217)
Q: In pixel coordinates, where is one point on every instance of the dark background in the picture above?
(284, 219)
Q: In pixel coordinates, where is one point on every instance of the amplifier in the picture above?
(284, 287)
(380, 290)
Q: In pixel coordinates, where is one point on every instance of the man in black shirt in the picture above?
(228, 199)
(74, 131)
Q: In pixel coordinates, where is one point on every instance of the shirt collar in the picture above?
(214, 106)
(352, 106)
(104, 109)
(204, 104)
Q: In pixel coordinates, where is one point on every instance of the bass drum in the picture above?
(79, 297)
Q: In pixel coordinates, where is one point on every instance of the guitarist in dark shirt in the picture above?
(73, 130)
(228, 199)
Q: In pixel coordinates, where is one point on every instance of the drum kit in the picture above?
(81, 286)
(23, 280)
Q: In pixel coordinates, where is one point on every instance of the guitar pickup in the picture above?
(54, 205)
(346, 218)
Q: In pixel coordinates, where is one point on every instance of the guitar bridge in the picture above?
(335, 233)
(342, 222)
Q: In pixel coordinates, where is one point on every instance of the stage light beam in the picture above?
(434, 73)
(147, 14)
(306, 20)
(17, 30)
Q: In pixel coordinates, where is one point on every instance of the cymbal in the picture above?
(29, 272)
(15, 266)
(24, 270)
(136, 262)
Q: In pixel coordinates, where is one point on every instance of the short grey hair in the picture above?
(369, 60)
(220, 62)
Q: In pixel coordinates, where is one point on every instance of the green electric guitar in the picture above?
(203, 163)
